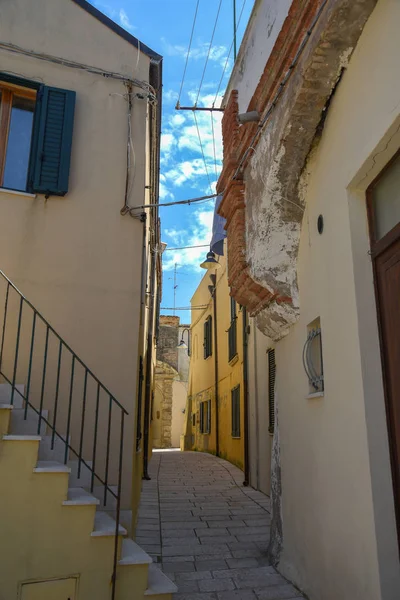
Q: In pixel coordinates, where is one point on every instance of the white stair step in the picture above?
(158, 583)
(78, 497)
(85, 478)
(22, 438)
(6, 406)
(111, 501)
(19, 425)
(57, 453)
(132, 554)
(50, 466)
(5, 394)
(105, 525)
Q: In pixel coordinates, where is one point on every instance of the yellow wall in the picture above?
(202, 371)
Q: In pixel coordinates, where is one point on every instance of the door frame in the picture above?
(377, 248)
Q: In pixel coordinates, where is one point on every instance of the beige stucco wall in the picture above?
(260, 439)
(76, 258)
(339, 533)
(179, 396)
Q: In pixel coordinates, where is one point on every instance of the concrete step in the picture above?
(29, 426)
(50, 466)
(80, 497)
(132, 554)
(159, 584)
(85, 478)
(104, 525)
(5, 394)
(57, 453)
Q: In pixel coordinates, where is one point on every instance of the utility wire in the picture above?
(188, 52)
(208, 53)
(213, 137)
(229, 53)
(202, 151)
(186, 247)
(191, 201)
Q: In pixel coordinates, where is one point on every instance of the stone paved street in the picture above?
(208, 533)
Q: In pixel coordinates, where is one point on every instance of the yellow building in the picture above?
(217, 388)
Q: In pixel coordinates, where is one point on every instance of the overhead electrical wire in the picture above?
(188, 52)
(229, 53)
(188, 247)
(202, 151)
(208, 53)
(213, 137)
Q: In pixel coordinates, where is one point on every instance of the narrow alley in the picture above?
(208, 533)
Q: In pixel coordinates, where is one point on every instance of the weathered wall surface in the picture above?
(260, 440)
(334, 531)
(170, 384)
(265, 23)
(167, 350)
(339, 533)
(266, 231)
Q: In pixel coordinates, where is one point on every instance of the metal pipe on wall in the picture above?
(214, 280)
(245, 398)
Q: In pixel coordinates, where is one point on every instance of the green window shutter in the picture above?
(51, 141)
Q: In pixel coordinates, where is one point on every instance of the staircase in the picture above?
(57, 453)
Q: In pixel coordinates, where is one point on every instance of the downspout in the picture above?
(216, 365)
(149, 358)
(245, 397)
(156, 82)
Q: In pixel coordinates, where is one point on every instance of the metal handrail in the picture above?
(64, 348)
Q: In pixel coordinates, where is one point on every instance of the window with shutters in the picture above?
(208, 337)
(35, 136)
(235, 401)
(205, 417)
(271, 389)
(232, 333)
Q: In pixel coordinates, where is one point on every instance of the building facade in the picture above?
(310, 192)
(216, 394)
(81, 254)
(171, 381)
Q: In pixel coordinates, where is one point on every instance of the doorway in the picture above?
(383, 201)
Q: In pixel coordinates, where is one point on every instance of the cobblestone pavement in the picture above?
(208, 533)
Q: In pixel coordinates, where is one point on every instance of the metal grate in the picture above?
(312, 360)
(235, 400)
(271, 389)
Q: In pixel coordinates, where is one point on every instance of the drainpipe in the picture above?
(149, 357)
(245, 398)
(214, 280)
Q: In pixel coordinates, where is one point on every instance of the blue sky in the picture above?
(165, 26)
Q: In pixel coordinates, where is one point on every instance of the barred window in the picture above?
(205, 417)
(235, 400)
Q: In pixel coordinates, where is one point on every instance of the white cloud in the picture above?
(164, 192)
(217, 54)
(124, 20)
(200, 234)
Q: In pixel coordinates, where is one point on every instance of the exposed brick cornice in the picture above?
(279, 155)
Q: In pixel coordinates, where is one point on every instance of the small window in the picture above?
(385, 196)
(194, 419)
(312, 358)
(232, 333)
(205, 417)
(271, 389)
(235, 399)
(208, 337)
(36, 135)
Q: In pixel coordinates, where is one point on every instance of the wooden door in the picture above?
(56, 589)
(384, 220)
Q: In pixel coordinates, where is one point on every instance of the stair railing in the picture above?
(65, 395)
